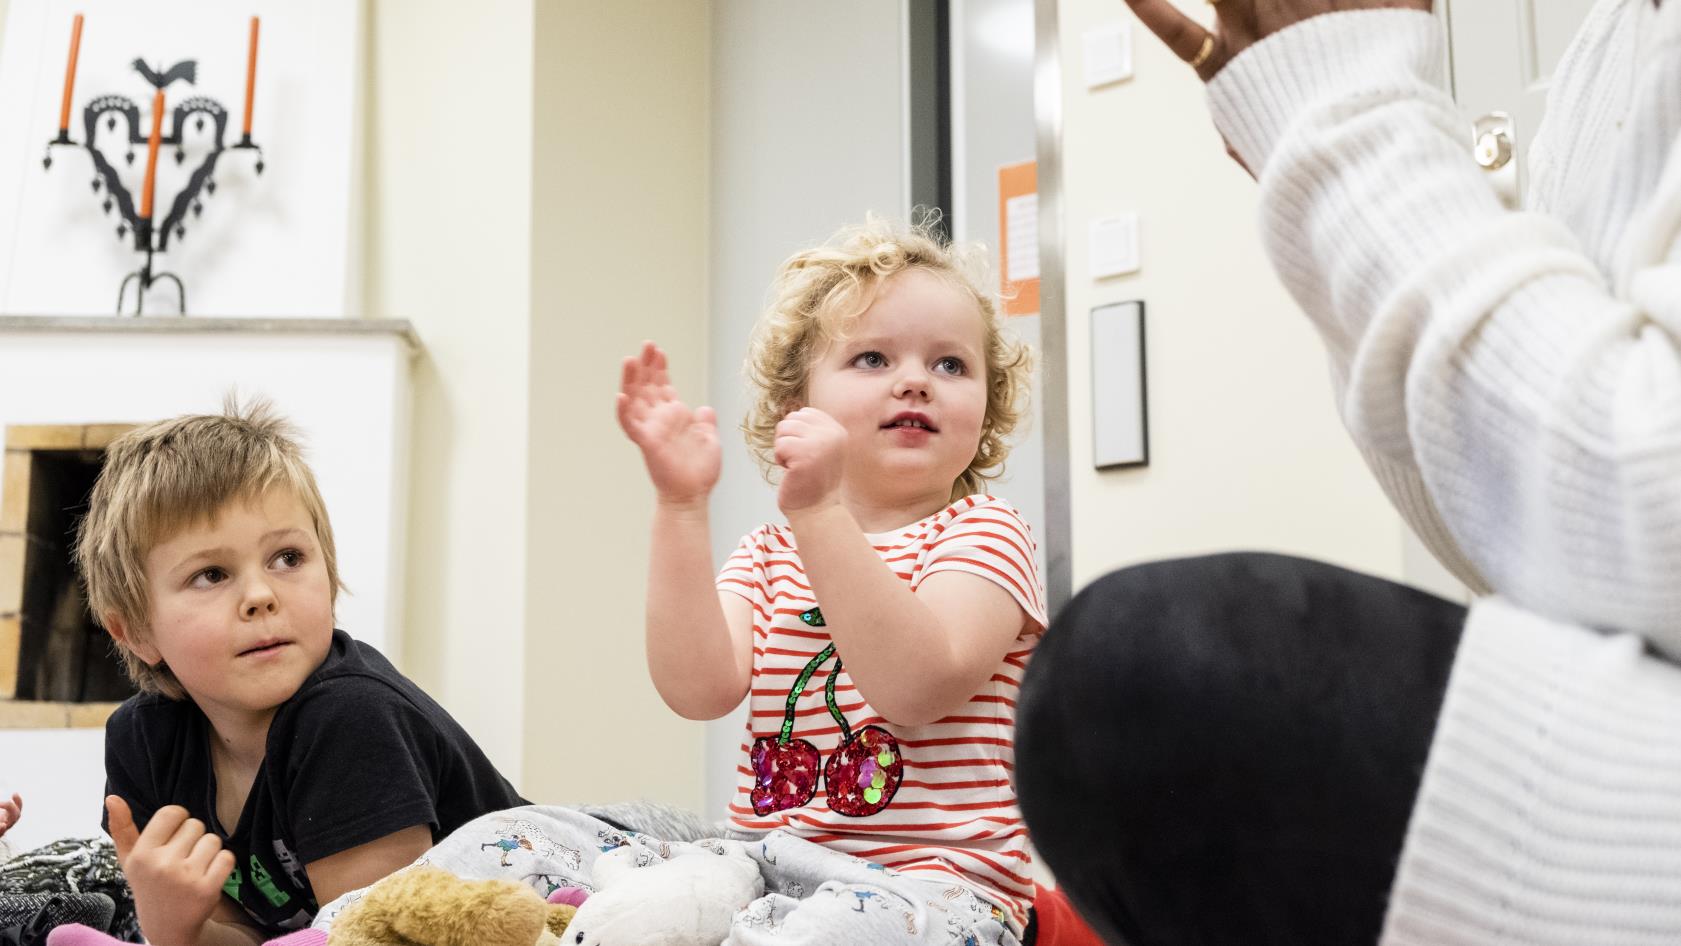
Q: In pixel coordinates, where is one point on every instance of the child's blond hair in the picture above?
(163, 477)
(818, 294)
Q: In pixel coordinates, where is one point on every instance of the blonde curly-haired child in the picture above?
(878, 634)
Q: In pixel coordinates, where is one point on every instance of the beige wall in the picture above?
(619, 249)
(449, 210)
(1246, 449)
(536, 209)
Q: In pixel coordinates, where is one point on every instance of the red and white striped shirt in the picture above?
(935, 799)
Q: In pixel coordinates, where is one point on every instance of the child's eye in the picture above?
(291, 558)
(950, 365)
(870, 359)
(209, 577)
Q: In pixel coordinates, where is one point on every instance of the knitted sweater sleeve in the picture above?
(1524, 418)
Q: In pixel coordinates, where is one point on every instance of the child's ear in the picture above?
(122, 633)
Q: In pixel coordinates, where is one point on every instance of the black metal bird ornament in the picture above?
(185, 69)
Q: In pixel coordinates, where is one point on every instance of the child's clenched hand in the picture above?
(679, 444)
(811, 449)
(175, 867)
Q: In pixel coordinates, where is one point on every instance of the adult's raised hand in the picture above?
(1240, 24)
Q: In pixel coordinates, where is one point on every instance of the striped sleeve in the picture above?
(740, 573)
(991, 539)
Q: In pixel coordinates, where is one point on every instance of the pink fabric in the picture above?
(301, 938)
(75, 934)
(78, 935)
(574, 896)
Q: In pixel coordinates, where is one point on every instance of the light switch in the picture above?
(1114, 246)
(1108, 53)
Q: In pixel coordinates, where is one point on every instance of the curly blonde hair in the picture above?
(819, 293)
(162, 477)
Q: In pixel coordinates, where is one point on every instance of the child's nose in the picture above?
(259, 599)
(913, 383)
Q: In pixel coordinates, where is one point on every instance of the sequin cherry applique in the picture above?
(862, 774)
(785, 769)
(865, 770)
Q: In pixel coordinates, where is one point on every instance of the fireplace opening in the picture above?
(59, 654)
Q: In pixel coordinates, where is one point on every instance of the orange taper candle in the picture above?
(152, 157)
(70, 77)
(250, 76)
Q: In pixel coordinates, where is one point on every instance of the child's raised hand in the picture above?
(679, 444)
(811, 449)
(175, 866)
(10, 812)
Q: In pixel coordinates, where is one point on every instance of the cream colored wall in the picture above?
(620, 254)
(1246, 450)
(537, 205)
(449, 166)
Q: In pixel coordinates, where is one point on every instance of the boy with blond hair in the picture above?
(270, 761)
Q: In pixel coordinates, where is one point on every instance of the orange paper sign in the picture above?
(1018, 237)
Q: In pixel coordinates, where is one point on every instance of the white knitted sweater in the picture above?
(1514, 380)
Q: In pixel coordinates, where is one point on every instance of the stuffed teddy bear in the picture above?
(687, 900)
(428, 906)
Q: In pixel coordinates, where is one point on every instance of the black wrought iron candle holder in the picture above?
(151, 238)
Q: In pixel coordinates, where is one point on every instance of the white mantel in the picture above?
(345, 383)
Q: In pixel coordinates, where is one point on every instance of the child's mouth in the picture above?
(910, 420)
(267, 647)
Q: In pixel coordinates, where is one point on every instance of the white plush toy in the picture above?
(688, 900)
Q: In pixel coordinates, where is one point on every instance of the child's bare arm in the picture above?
(699, 643)
(335, 875)
(699, 639)
(915, 656)
(229, 926)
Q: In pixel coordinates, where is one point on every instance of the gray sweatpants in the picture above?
(812, 895)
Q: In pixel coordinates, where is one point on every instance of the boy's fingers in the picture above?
(163, 825)
(185, 836)
(204, 852)
(220, 867)
(123, 833)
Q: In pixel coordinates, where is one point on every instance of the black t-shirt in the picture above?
(357, 753)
